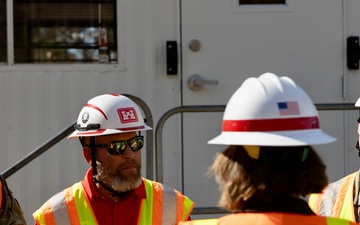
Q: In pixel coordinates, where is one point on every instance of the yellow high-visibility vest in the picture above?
(336, 200)
(162, 205)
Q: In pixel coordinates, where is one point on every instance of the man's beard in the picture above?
(114, 177)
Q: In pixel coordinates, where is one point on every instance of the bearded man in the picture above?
(113, 190)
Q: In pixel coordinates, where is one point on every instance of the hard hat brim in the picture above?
(288, 138)
(357, 104)
(94, 133)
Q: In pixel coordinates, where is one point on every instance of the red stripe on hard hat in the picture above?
(96, 108)
(100, 131)
(271, 124)
(131, 128)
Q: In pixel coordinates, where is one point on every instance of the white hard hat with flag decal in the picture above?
(109, 114)
(271, 111)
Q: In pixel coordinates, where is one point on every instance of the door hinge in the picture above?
(352, 53)
(344, 85)
(171, 58)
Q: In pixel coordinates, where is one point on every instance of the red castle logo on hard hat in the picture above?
(127, 115)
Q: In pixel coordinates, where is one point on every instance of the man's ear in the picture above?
(87, 154)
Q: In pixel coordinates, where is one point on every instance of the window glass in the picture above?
(261, 2)
(68, 31)
(3, 38)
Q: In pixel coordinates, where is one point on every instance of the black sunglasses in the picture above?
(119, 147)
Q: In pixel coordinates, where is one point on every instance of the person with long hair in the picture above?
(269, 127)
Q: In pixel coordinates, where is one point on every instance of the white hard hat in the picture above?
(270, 111)
(109, 114)
(357, 103)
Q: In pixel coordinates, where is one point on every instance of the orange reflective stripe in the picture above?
(48, 217)
(340, 196)
(157, 203)
(180, 207)
(71, 206)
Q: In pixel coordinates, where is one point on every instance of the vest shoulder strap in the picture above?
(163, 205)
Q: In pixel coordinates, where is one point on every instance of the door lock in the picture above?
(196, 82)
(171, 58)
(352, 53)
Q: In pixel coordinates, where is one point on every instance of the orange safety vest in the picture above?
(162, 205)
(273, 218)
(336, 200)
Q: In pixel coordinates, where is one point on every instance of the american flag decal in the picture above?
(288, 108)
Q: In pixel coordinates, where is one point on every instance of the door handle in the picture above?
(352, 53)
(171, 58)
(196, 82)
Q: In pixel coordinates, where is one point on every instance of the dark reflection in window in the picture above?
(3, 38)
(69, 31)
(261, 2)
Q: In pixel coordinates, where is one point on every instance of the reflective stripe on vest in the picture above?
(336, 200)
(70, 206)
(270, 219)
(170, 205)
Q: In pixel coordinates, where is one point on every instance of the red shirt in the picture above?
(125, 211)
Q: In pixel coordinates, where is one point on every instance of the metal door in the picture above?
(352, 81)
(225, 42)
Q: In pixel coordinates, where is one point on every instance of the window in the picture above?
(64, 31)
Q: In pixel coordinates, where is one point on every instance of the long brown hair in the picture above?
(285, 172)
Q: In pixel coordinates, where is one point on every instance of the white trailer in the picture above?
(161, 50)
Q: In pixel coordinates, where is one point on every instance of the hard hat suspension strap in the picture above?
(93, 156)
(94, 172)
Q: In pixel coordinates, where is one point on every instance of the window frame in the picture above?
(119, 66)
